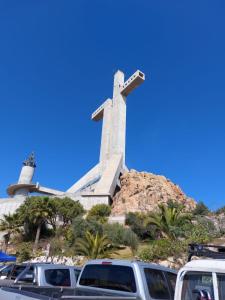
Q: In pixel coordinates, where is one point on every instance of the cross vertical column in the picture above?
(106, 131)
(118, 131)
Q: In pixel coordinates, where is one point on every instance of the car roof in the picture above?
(47, 265)
(55, 265)
(212, 265)
(124, 262)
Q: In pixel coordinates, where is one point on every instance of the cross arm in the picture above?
(98, 113)
(134, 81)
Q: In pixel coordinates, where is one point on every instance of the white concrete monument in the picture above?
(101, 183)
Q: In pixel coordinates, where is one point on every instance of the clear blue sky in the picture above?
(57, 60)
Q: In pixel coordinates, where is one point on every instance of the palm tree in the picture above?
(37, 211)
(93, 246)
(167, 219)
(10, 224)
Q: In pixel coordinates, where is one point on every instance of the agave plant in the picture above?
(94, 246)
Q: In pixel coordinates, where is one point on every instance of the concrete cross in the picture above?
(113, 113)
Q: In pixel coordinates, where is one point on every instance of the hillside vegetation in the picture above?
(62, 227)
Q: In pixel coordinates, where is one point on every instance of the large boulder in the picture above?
(142, 192)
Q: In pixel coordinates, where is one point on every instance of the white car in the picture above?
(202, 279)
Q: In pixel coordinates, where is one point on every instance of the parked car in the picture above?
(202, 279)
(117, 279)
(46, 279)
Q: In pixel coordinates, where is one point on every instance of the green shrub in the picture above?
(220, 210)
(161, 249)
(120, 235)
(136, 221)
(80, 226)
(56, 247)
(199, 234)
(24, 252)
(100, 212)
(201, 209)
(131, 240)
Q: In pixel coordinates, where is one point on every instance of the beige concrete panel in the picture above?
(109, 178)
(48, 191)
(86, 178)
(89, 202)
(118, 117)
(106, 134)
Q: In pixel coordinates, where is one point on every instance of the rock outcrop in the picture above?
(142, 192)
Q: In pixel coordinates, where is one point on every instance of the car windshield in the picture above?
(197, 285)
(221, 286)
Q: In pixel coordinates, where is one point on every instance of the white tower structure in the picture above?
(24, 185)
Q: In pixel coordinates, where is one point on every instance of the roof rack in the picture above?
(202, 250)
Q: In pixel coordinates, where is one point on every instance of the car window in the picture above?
(172, 280)
(197, 285)
(16, 271)
(28, 276)
(157, 285)
(6, 270)
(113, 277)
(221, 286)
(58, 277)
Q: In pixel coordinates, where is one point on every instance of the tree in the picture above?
(168, 219)
(10, 224)
(66, 210)
(100, 211)
(36, 210)
(93, 246)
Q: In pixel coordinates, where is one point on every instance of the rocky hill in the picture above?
(142, 192)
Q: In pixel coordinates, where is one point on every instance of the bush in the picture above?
(201, 209)
(161, 249)
(119, 235)
(199, 234)
(136, 222)
(80, 226)
(220, 210)
(100, 212)
(56, 247)
(201, 230)
(24, 252)
(131, 240)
